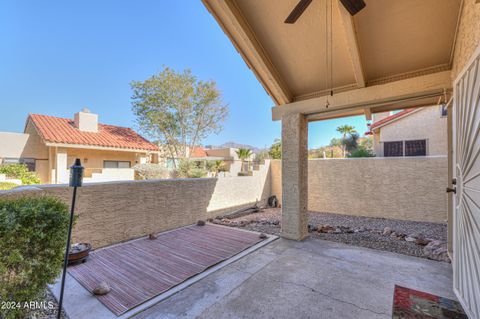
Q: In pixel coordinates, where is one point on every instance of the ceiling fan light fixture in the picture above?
(297, 11)
(353, 6)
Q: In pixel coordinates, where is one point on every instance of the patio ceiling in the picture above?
(386, 42)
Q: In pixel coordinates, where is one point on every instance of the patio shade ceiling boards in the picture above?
(142, 269)
(385, 42)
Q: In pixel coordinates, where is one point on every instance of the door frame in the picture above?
(461, 74)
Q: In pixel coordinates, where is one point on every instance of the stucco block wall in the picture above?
(426, 123)
(239, 191)
(411, 188)
(113, 212)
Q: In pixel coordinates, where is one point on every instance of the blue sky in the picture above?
(60, 56)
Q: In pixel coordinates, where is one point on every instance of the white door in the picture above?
(466, 161)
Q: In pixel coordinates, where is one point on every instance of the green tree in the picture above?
(351, 142)
(366, 143)
(178, 110)
(21, 172)
(243, 154)
(336, 142)
(345, 130)
(215, 166)
(275, 151)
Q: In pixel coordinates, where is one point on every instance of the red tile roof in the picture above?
(198, 152)
(61, 130)
(390, 118)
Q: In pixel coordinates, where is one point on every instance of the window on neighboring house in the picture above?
(30, 162)
(416, 148)
(116, 164)
(444, 110)
(391, 149)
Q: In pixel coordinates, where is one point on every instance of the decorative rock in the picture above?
(417, 235)
(337, 231)
(422, 241)
(436, 250)
(326, 229)
(262, 236)
(410, 238)
(201, 223)
(387, 231)
(102, 289)
(392, 234)
(152, 236)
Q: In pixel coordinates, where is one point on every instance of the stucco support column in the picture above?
(294, 176)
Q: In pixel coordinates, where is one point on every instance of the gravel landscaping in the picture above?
(419, 239)
(46, 308)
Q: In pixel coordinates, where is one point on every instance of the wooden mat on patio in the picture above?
(142, 269)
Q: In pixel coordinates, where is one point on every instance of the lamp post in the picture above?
(76, 179)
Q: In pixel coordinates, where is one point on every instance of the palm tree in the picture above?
(243, 154)
(218, 166)
(345, 130)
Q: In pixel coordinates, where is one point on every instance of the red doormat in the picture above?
(414, 304)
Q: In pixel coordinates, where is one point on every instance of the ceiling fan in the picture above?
(352, 6)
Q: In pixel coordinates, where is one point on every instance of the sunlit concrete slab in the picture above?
(309, 279)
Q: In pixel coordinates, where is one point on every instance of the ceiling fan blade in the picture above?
(297, 11)
(353, 6)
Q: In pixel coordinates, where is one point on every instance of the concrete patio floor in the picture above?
(309, 279)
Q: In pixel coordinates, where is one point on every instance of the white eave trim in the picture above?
(396, 119)
(100, 148)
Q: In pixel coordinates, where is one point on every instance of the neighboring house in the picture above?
(411, 132)
(49, 146)
(233, 165)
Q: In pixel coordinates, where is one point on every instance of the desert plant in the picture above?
(275, 151)
(151, 171)
(7, 185)
(190, 169)
(215, 166)
(262, 155)
(243, 154)
(197, 173)
(32, 243)
(351, 142)
(21, 172)
(361, 152)
(345, 130)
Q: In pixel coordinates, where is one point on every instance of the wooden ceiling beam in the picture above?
(398, 94)
(352, 44)
(233, 23)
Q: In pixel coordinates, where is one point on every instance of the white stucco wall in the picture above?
(426, 123)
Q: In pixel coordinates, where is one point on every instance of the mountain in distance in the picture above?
(238, 145)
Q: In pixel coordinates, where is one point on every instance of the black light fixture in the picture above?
(76, 180)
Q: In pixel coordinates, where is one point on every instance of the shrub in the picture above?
(197, 173)
(32, 242)
(21, 172)
(361, 152)
(7, 185)
(151, 171)
(190, 169)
